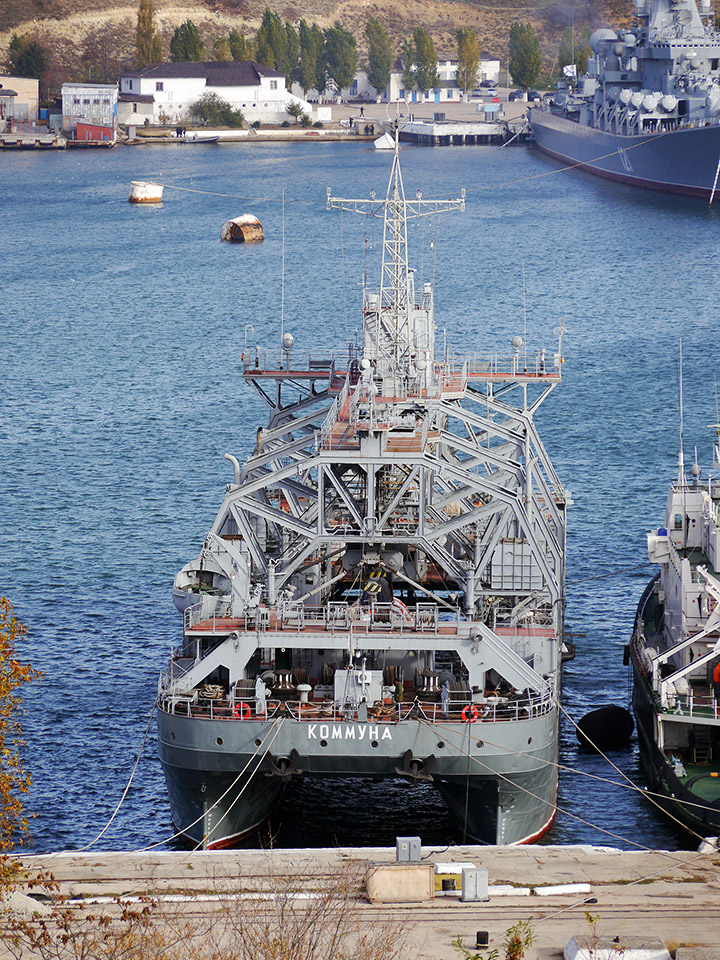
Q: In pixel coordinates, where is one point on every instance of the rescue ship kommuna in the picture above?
(382, 591)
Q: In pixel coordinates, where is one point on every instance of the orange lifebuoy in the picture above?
(470, 713)
(242, 711)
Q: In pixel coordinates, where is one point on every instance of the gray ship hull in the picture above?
(504, 793)
(680, 161)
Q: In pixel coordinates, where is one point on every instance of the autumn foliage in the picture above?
(14, 780)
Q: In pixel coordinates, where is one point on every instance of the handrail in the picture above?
(456, 710)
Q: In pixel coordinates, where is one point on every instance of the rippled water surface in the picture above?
(122, 331)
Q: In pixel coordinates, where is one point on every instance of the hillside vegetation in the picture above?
(67, 26)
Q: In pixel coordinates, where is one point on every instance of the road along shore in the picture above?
(644, 899)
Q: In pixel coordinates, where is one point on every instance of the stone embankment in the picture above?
(642, 900)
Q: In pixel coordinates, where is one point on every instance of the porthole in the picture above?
(323, 743)
(529, 740)
(373, 743)
(258, 742)
(480, 744)
(219, 741)
(172, 734)
(441, 744)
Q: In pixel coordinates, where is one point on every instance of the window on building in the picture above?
(678, 521)
(76, 99)
(158, 85)
(273, 84)
(86, 101)
(449, 94)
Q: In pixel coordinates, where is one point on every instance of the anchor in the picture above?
(415, 769)
(285, 768)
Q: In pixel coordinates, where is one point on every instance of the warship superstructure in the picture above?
(675, 654)
(382, 591)
(647, 112)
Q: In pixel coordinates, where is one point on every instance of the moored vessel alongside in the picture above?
(675, 654)
(647, 112)
(388, 571)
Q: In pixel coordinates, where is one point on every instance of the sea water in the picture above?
(122, 331)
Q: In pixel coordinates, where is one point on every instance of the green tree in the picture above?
(14, 781)
(221, 49)
(186, 45)
(311, 57)
(212, 110)
(148, 45)
(420, 62)
(292, 45)
(574, 49)
(340, 55)
(28, 58)
(321, 74)
(468, 51)
(525, 60)
(295, 110)
(240, 47)
(380, 54)
(271, 43)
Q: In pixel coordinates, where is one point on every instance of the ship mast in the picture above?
(395, 332)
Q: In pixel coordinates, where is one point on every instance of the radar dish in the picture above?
(684, 15)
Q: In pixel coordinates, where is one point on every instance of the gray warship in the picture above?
(675, 653)
(381, 594)
(647, 112)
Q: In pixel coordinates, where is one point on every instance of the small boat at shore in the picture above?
(675, 654)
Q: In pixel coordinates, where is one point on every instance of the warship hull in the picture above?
(210, 763)
(682, 161)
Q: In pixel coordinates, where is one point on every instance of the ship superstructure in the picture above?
(675, 653)
(647, 112)
(385, 576)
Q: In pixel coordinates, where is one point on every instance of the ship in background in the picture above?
(382, 592)
(647, 112)
(675, 654)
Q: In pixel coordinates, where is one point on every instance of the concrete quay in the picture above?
(644, 899)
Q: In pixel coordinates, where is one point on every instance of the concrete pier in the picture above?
(657, 899)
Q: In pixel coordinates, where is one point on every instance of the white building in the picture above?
(447, 92)
(90, 111)
(164, 92)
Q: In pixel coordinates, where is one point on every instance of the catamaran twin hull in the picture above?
(512, 782)
(382, 591)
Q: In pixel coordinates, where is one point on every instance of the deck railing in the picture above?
(212, 616)
(457, 711)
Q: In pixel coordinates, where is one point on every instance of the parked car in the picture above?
(515, 95)
(534, 96)
(483, 92)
